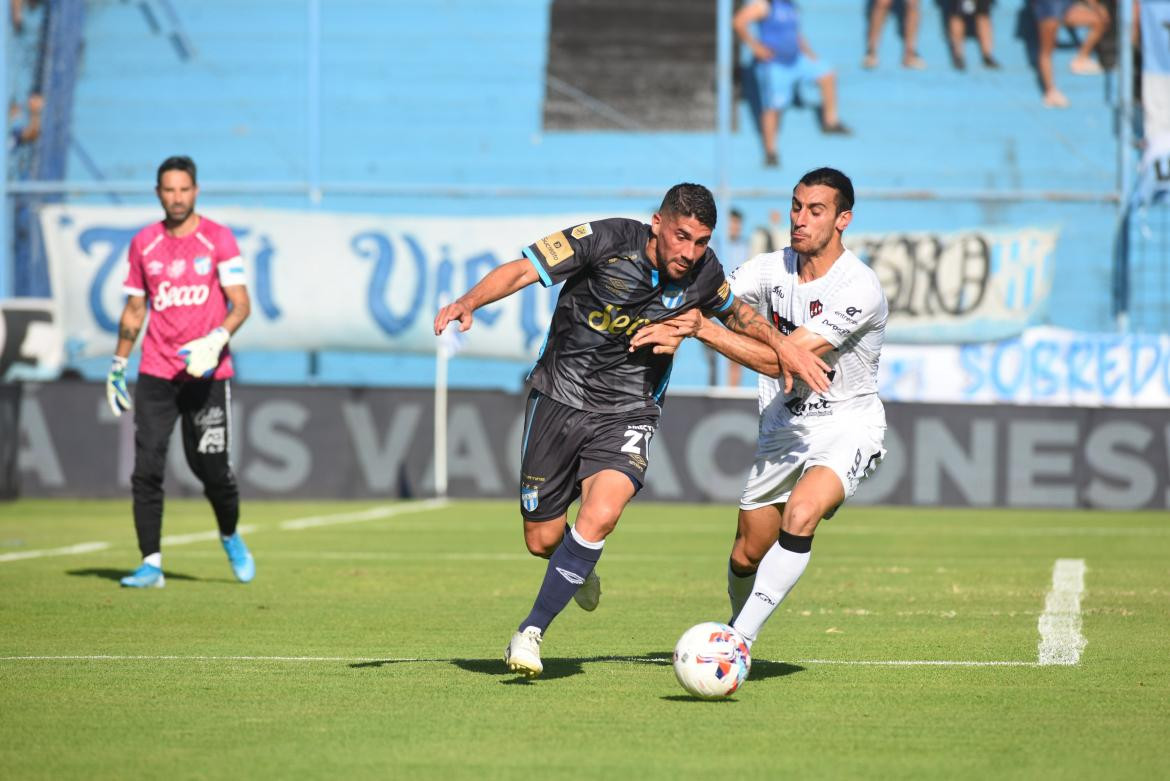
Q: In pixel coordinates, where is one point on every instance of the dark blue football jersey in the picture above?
(611, 290)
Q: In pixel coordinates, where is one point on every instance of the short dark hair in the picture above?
(831, 177)
(690, 200)
(176, 163)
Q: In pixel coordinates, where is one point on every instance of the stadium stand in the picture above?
(488, 94)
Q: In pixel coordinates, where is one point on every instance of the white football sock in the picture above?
(739, 588)
(776, 576)
(154, 560)
(584, 542)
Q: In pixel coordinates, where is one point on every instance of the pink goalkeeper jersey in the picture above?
(183, 281)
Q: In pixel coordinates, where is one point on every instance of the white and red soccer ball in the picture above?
(711, 660)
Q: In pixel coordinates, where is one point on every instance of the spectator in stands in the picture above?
(16, 13)
(30, 131)
(959, 14)
(877, 19)
(783, 60)
(1050, 16)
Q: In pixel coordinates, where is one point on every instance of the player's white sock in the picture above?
(782, 566)
(739, 588)
(587, 543)
(154, 560)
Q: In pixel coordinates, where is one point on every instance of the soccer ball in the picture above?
(711, 660)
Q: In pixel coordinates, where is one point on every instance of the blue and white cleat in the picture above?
(243, 565)
(146, 576)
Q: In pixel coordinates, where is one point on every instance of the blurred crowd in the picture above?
(782, 60)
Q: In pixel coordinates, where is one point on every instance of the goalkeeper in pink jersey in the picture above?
(188, 269)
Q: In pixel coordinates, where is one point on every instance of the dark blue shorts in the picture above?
(1050, 9)
(563, 445)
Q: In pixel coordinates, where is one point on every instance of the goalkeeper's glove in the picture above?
(202, 354)
(116, 393)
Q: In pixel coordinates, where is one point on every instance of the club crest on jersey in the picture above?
(814, 307)
(177, 267)
(202, 265)
(529, 498)
(672, 295)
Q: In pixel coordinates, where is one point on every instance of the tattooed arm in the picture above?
(747, 340)
(765, 350)
(133, 315)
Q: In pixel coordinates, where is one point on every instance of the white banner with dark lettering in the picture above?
(318, 281)
(1048, 366)
(968, 286)
(322, 281)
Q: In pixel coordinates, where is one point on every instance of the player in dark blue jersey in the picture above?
(595, 401)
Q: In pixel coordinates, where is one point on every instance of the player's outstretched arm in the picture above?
(790, 358)
(500, 282)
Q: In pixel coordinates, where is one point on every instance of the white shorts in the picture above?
(852, 452)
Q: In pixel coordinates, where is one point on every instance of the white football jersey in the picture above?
(848, 308)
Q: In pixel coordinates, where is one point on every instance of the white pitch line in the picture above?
(185, 539)
(914, 663)
(1061, 641)
(408, 659)
(68, 550)
(376, 513)
(373, 514)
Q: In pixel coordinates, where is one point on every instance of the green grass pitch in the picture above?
(370, 647)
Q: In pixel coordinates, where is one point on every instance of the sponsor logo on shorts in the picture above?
(555, 248)
(529, 498)
(572, 577)
(760, 595)
(815, 307)
(852, 476)
(581, 231)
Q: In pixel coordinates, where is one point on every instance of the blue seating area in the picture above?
(450, 94)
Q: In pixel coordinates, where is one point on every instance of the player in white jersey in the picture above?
(814, 448)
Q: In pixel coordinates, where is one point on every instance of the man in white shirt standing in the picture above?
(814, 448)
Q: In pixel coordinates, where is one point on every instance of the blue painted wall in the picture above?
(449, 92)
